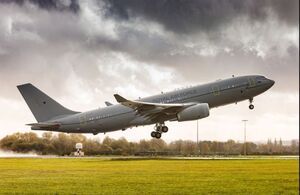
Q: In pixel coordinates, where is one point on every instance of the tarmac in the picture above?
(239, 157)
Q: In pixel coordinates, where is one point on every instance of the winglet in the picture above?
(108, 104)
(120, 99)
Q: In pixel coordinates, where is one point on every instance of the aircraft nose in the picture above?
(271, 83)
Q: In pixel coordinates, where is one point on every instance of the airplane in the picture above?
(187, 104)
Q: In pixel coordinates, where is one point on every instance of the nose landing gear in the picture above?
(251, 106)
(159, 129)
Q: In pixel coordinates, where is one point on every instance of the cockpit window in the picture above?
(260, 79)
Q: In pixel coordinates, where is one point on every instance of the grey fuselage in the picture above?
(117, 117)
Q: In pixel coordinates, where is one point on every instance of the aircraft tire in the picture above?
(158, 128)
(251, 106)
(158, 135)
(153, 134)
(164, 129)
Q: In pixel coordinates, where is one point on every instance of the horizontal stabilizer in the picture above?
(45, 126)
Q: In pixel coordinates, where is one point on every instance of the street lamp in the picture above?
(245, 145)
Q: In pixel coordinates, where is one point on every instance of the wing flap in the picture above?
(134, 103)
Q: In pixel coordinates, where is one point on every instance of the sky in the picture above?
(82, 52)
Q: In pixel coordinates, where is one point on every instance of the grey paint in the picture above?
(117, 117)
(108, 103)
(41, 105)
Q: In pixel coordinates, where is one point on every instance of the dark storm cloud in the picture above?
(184, 16)
(284, 70)
(58, 5)
(50, 47)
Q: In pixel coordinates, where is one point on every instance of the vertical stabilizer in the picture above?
(41, 105)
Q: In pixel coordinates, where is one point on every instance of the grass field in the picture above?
(99, 176)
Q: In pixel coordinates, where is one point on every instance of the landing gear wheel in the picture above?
(153, 134)
(158, 135)
(164, 129)
(158, 128)
(251, 106)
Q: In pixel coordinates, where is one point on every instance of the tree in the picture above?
(204, 148)
(120, 146)
(157, 145)
(144, 146)
(176, 147)
(22, 142)
(63, 145)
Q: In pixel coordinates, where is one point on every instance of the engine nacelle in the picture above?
(194, 112)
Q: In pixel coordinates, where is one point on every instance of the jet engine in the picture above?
(195, 112)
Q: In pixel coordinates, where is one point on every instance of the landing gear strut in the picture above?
(159, 129)
(251, 106)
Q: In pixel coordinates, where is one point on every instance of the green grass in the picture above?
(98, 176)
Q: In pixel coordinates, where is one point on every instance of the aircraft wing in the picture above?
(47, 126)
(152, 110)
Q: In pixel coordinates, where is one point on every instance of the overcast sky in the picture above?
(82, 52)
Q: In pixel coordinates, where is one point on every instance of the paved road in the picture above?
(32, 155)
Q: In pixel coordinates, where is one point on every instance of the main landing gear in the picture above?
(159, 129)
(251, 106)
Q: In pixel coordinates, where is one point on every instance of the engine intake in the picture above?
(194, 112)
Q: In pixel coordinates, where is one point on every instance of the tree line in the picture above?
(64, 144)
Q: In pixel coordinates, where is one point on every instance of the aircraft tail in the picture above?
(41, 105)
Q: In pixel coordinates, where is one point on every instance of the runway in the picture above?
(240, 157)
